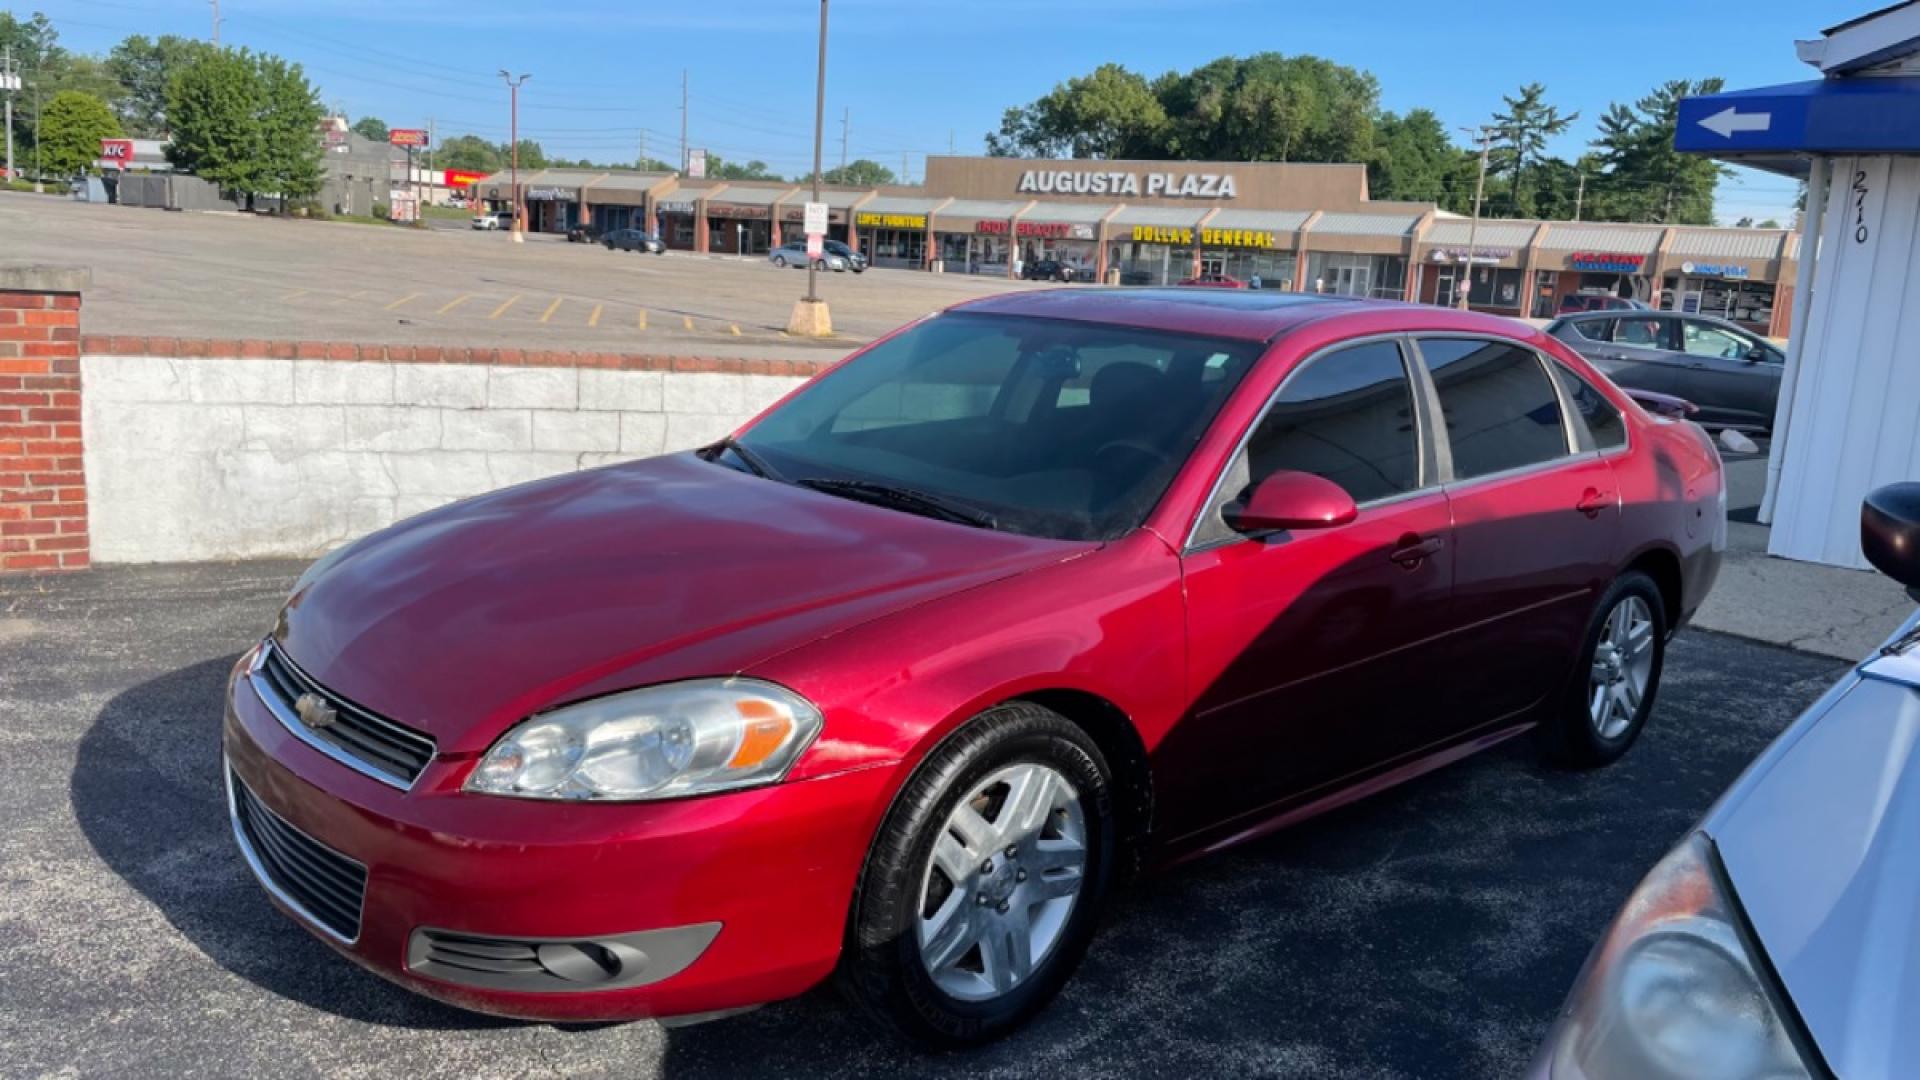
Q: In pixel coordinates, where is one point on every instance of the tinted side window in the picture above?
(1594, 329)
(1643, 332)
(1603, 421)
(1348, 417)
(1499, 407)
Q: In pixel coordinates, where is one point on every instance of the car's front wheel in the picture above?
(780, 262)
(1614, 685)
(984, 883)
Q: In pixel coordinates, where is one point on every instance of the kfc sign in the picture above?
(116, 153)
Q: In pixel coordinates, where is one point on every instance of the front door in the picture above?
(1720, 375)
(1535, 522)
(1309, 650)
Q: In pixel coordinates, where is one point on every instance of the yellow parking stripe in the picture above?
(735, 327)
(295, 295)
(402, 301)
(686, 321)
(594, 319)
(643, 318)
(551, 308)
(454, 303)
(355, 295)
(502, 309)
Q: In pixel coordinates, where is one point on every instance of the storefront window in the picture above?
(1383, 277)
(971, 253)
(1749, 303)
(895, 247)
(1149, 264)
(1258, 269)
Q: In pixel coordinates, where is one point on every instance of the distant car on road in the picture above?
(856, 262)
(794, 253)
(1730, 373)
(634, 240)
(1053, 270)
(1573, 303)
(583, 233)
(493, 222)
(1778, 939)
(1215, 281)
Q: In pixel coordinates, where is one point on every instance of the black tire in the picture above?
(820, 265)
(882, 970)
(1569, 735)
(780, 261)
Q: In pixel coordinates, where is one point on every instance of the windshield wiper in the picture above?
(754, 462)
(901, 498)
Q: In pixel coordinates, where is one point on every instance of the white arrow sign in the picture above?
(1729, 120)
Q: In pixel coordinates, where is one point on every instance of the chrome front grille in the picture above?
(337, 727)
(324, 886)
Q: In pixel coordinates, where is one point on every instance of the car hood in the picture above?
(1821, 844)
(464, 620)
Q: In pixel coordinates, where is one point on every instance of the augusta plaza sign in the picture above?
(1151, 185)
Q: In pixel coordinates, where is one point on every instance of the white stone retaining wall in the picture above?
(194, 458)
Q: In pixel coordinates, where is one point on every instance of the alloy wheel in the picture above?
(1622, 668)
(1001, 882)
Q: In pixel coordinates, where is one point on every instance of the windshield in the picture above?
(1051, 428)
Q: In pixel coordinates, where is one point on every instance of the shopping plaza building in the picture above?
(1268, 225)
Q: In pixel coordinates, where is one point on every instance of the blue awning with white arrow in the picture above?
(1879, 115)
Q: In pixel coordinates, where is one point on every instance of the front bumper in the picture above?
(774, 868)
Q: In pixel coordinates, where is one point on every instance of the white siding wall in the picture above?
(191, 459)
(1856, 407)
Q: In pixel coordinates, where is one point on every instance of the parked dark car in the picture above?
(1732, 374)
(634, 240)
(1574, 303)
(1053, 270)
(856, 261)
(582, 233)
(901, 681)
(1778, 939)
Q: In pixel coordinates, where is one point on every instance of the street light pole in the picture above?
(810, 317)
(1473, 231)
(513, 133)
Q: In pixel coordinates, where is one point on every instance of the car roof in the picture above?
(1248, 315)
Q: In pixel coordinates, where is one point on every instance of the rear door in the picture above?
(1536, 517)
(1640, 354)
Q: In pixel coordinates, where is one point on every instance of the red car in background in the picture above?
(899, 681)
(1214, 281)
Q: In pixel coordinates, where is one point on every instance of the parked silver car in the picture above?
(1730, 373)
(794, 253)
(1780, 938)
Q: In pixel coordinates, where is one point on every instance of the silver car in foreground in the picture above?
(1781, 938)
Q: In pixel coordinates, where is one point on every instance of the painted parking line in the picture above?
(594, 319)
(502, 309)
(295, 295)
(454, 303)
(402, 302)
(686, 321)
(643, 318)
(354, 295)
(735, 327)
(551, 308)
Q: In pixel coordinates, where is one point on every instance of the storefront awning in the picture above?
(1726, 244)
(1174, 217)
(1069, 213)
(1345, 224)
(1642, 240)
(623, 189)
(1493, 243)
(735, 195)
(965, 215)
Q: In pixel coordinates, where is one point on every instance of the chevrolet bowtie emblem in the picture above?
(314, 711)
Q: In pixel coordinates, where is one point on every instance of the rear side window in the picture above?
(1604, 423)
(1347, 416)
(1593, 329)
(1498, 405)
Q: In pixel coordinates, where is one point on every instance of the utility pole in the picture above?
(810, 317)
(1485, 135)
(643, 150)
(684, 160)
(846, 115)
(513, 84)
(905, 177)
(431, 182)
(949, 142)
(1580, 197)
(216, 22)
(11, 82)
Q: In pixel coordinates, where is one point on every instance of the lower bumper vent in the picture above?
(537, 965)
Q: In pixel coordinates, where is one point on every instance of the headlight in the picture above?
(1672, 991)
(688, 738)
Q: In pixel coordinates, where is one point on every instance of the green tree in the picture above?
(860, 172)
(71, 127)
(144, 67)
(719, 169)
(370, 127)
(1270, 107)
(1770, 223)
(213, 107)
(1520, 143)
(469, 153)
(289, 118)
(1413, 159)
(1644, 178)
(1110, 113)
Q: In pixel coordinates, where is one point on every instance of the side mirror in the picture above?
(1294, 500)
(1890, 533)
(1757, 354)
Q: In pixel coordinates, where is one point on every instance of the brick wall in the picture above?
(43, 486)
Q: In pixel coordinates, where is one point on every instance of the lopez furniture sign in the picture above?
(1153, 185)
(891, 221)
(1606, 262)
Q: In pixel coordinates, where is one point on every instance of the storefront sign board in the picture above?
(1258, 239)
(1151, 185)
(891, 221)
(1163, 234)
(1606, 262)
(1723, 270)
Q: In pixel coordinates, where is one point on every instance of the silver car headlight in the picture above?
(687, 738)
(1672, 990)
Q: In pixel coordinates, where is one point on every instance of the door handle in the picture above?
(1594, 501)
(1414, 550)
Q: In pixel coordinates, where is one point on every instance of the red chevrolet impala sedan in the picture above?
(900, 680)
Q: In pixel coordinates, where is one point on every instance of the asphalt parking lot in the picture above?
(1428, 932)
(238, 276)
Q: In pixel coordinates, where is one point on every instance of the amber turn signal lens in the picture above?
(766, 730)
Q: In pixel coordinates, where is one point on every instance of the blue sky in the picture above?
(917, 76)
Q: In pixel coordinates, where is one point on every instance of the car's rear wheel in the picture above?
(1613, 687)
(820, 265)
(984, 883)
